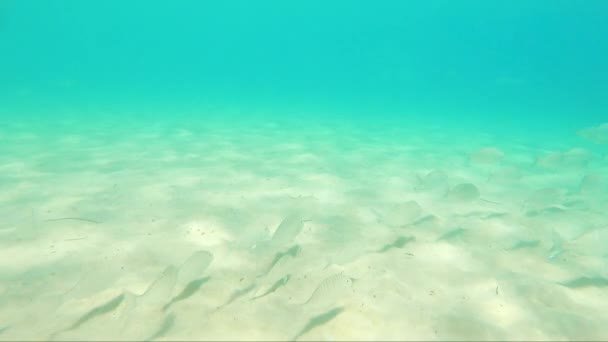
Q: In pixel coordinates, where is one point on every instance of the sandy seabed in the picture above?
(285, 230)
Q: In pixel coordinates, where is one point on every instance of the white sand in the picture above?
(517, 253)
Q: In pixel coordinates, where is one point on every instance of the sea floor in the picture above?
(292, 230)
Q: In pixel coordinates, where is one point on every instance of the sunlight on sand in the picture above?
(277, 231)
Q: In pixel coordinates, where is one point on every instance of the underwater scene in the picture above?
(303, 170)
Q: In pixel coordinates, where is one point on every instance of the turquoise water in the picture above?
(372, 170)
(533, 60)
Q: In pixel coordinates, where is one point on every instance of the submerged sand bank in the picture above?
(278, 230)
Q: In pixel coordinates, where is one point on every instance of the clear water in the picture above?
(198, 170)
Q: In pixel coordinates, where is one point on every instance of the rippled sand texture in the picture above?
(279, 230)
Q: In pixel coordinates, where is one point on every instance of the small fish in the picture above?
(3, 329)
(495, 215)
(524, 244)
(239, 293)
(319, 320)
(451, 234)
(187, 292)
(424, 219)
(194, 267)
(586, 282)
(335, 286)
(275, 286)
(289, 228)
(167, 324)
(73, 219)
(93, 313)
(292, 252)
(398, 243)
(99, 310)
(161, 288)
(557, 248)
